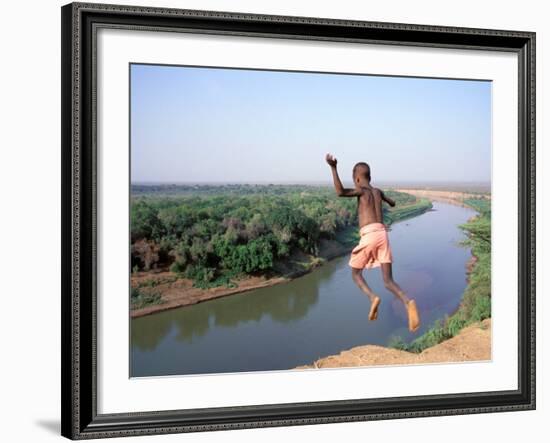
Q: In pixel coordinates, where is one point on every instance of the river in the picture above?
(316, 315)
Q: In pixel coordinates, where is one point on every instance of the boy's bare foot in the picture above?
(373, 314)
(414, 320)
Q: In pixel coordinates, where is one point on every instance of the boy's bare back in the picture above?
(369, 205)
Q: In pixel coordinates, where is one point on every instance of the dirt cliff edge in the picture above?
(473, 343)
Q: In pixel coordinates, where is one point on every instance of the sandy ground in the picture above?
(452, 197)
(182, 293)
(473, 343)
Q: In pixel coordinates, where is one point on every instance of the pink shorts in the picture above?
(373, 248)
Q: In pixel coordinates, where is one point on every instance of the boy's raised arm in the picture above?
(340, 190)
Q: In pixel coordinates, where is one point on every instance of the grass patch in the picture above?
(399, 213)
(141, 299)
(222, 280)
(154, 282)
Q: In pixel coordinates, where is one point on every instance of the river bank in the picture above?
(177, 292)
(174, 291)
(475, 304)
(451, 197)
(473, 343)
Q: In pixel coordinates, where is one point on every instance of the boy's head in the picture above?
(361, 171)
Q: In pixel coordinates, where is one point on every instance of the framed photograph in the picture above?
(277, 220)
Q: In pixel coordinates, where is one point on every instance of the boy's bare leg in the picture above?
(391, 285)
(410, 305)
(357, 275)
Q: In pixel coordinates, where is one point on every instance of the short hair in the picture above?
(366, 168)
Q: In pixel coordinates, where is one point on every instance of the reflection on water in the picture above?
(231, 311)
(319, 314)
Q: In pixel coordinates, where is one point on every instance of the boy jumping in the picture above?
(373, 249)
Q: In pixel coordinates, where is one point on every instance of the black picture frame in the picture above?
(79, 174)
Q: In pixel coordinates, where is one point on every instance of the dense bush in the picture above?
(141, 299)
(214, 233)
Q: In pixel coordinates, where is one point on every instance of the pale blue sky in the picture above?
(231, 125)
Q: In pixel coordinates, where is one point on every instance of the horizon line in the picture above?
(296, 182)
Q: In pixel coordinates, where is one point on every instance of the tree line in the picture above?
(212, 234)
